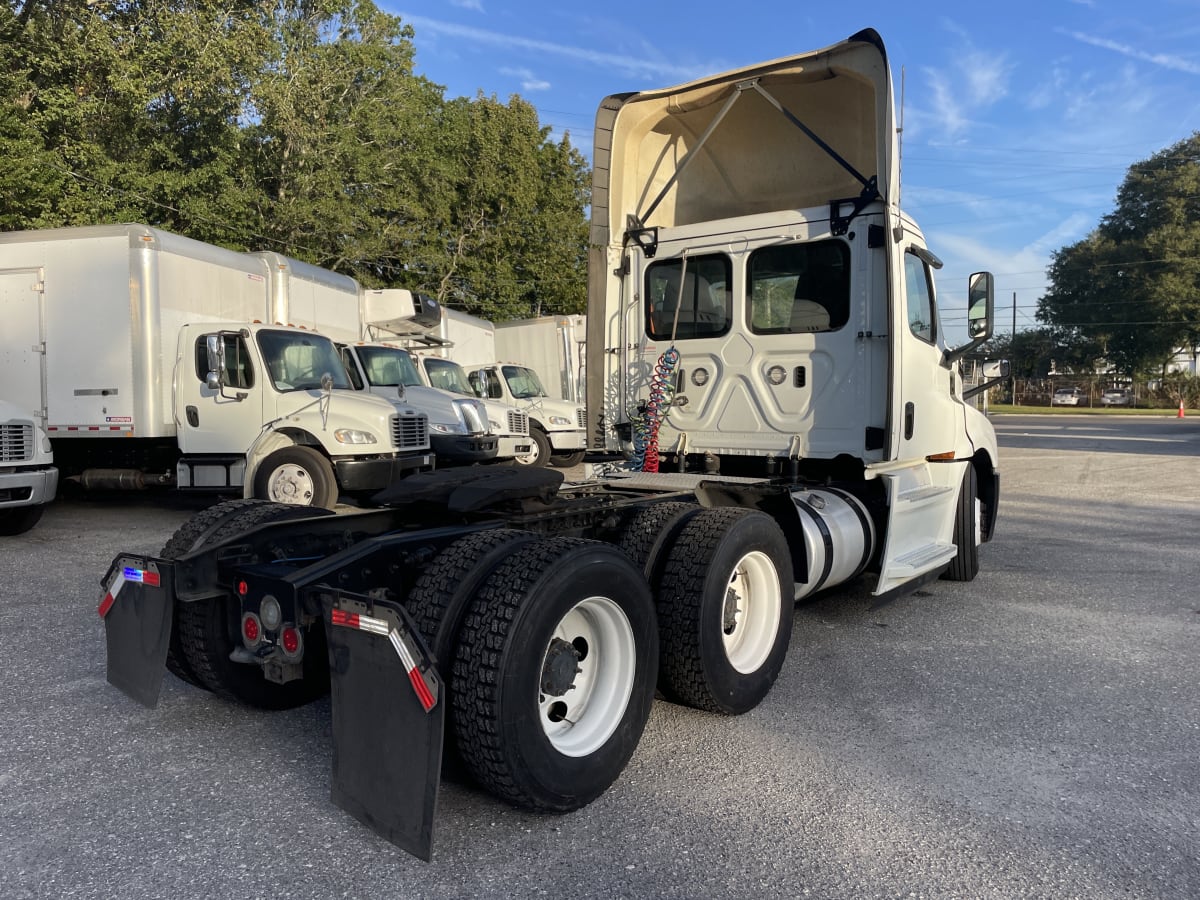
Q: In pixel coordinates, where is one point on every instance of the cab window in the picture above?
(922, 319)
(239, 373)
(692, 301)
(799, 288)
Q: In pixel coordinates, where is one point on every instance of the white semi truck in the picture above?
(762, 320)
(155, 363)
(28, 478)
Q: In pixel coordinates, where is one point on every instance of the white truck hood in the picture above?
(729, 145)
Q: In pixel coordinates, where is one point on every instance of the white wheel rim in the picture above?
(580, 721)
(754, 604)
(291, 484)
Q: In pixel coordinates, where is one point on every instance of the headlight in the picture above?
(447, 429)
(560, 420)
(497, 428)
(353, 436)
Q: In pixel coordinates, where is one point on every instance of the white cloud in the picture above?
(1167, 61)
(529, 81)
(653, 68)
(475, 5)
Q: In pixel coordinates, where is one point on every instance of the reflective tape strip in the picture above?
(361, 622)
(111, 596)
(381, 627)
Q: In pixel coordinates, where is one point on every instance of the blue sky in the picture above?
(1020, 118)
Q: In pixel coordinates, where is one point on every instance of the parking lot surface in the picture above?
(1034, 733)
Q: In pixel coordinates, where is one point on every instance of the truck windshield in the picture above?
(388, 366)
(449, 376)
(296, 361)
(523, 383)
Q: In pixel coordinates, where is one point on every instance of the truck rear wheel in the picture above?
(439, 600)
(965, 565)
(539, 453)
(192, 535)
(725, 610)
(297, 476)
(649, 536)
(554, 674)
(209, 630)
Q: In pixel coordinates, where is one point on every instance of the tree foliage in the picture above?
(290, 125)
(1132, 286)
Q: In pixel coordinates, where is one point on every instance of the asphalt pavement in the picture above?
(1034, 733)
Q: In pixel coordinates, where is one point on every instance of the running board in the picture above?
(922, 499)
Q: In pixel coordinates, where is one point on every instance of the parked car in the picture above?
(1068, 397)
(1116, 397)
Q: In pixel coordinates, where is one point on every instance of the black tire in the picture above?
(19, 520)
(649, 536)
(438, 602)
(965, 565)
(562, 631)
(566, 460)
(708, 661)
(540, 455)
(296, 476)
(192, 535)
(209, 630)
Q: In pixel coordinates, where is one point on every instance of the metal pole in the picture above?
(1012, 350)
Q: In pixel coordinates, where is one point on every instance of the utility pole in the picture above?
(1012, 346)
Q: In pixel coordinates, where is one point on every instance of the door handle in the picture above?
(910, 417)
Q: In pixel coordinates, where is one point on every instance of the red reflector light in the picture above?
(250, 629)
(341, 617)
(243, 588)
(290, 640)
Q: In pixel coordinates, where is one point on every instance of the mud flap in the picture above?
(388, 720)
(137, 609)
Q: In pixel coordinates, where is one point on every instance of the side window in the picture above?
(494, 390)
(239, 373)
(701, 309)
(919, 288)
(351, 369)
(799, 288)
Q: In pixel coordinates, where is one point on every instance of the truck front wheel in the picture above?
(725, 604)
(965, 565)
(554, 674)
(19, 520)
(566, 460)
(297, 476)
(539, 455)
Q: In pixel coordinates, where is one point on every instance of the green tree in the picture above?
(1133, 284)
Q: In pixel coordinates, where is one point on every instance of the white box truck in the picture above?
(760, 313)
(553, 346)
(28, 478)
(463, 428)
(557, 427)
(156, 365)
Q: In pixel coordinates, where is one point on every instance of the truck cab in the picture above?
(509, 425)
(760, 305)
(459, 428)
(28, 478)
(270, 409)
(556, 426)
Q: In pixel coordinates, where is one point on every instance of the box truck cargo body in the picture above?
(553, 346)
(119, 318)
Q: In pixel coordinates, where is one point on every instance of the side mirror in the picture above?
(216, 361)
(981, 307)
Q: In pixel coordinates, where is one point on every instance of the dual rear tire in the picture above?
(549, 647)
